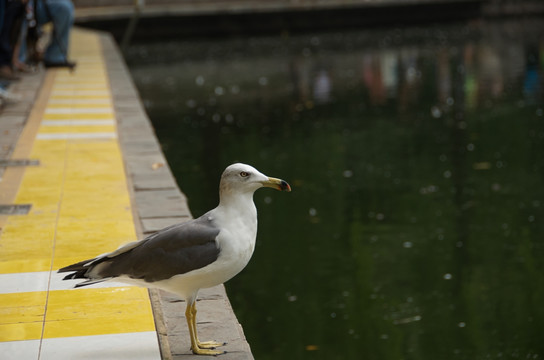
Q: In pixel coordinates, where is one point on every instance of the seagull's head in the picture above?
(242, 178)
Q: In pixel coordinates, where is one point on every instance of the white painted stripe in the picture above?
(78, 122)
(24, 282)
(75, 136)
(57, 283)
(14, 350)
(88, 83)
(134, 346)
(73, 101)
(128, 346)
(39, 281)
(68, 79)
(87, 110)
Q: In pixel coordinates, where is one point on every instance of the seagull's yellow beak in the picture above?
(277, 184)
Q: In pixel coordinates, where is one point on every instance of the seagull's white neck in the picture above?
(237, 203)
(237, 215)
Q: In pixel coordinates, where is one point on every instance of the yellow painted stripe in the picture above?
(107, 115)
(78, 105)
(97, 311)
(20, 331)
(78, 122)
(85, 86)
(77, 129)
(74, 313)
(79, 97)
(93, 106)
(24, 307)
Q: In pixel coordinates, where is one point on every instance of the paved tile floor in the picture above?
(80, 207)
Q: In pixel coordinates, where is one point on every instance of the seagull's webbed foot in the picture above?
(210, 344)
(201, 351)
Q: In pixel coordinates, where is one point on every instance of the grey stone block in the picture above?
(161, 203)
(152, 225)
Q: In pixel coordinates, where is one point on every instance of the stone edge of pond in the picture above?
(158, 202)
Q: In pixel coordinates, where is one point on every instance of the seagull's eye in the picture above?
(244, 174)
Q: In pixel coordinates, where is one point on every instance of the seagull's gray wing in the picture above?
(174, 250)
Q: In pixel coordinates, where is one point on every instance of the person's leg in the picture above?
(19, 55)
(61, 14)
(12, 11)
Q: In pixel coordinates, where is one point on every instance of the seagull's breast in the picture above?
(236, 242)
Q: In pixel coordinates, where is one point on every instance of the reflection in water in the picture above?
(415, 225)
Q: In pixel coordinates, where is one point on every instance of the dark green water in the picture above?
(416, 157)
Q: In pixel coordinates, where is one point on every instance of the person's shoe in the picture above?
(23, 68)
(6, 73)
(63, 64)
(8, 97)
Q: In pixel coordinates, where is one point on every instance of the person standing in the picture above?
(61, 14)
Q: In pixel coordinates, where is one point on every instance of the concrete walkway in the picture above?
(97, 179)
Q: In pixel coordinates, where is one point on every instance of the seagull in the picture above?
(193, 255)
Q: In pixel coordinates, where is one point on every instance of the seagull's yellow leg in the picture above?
(204, 344)
(196, 346)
